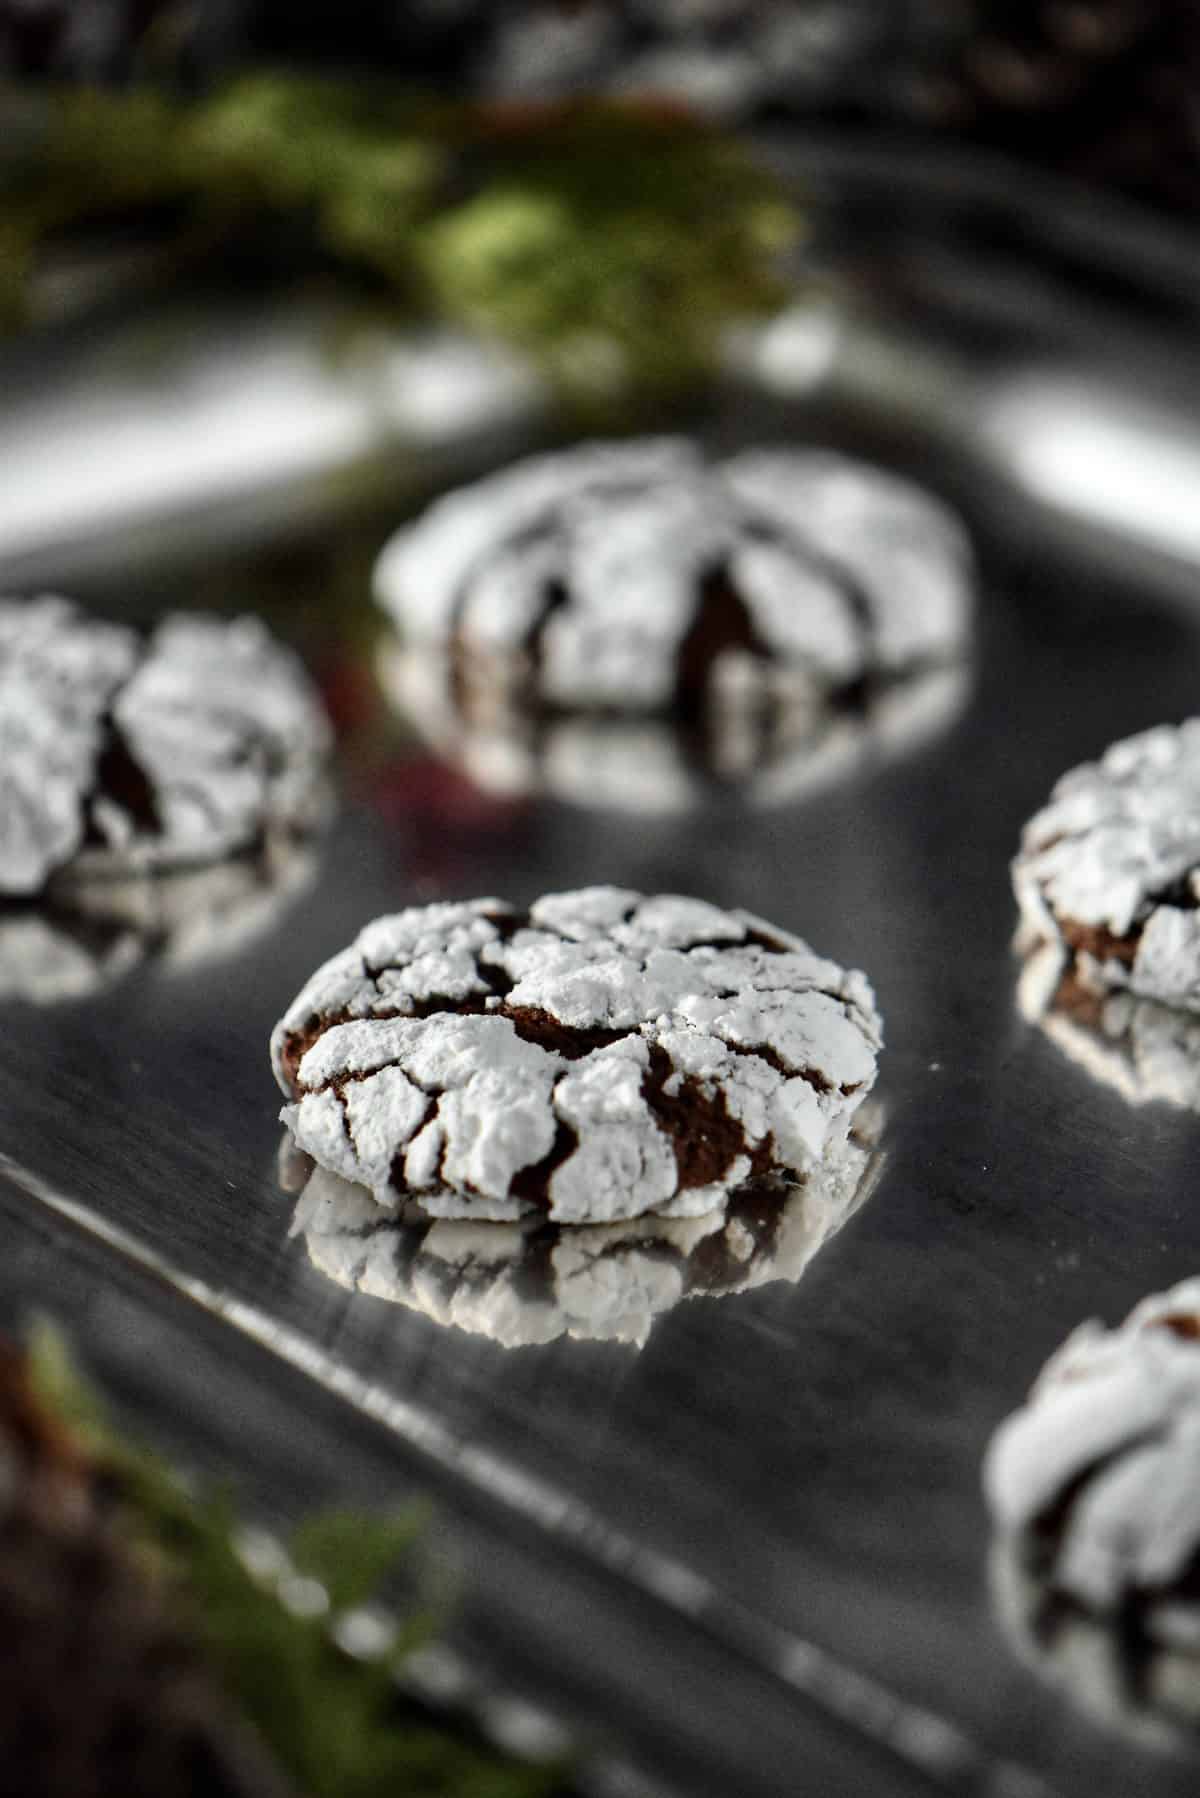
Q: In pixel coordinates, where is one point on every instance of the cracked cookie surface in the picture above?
(598, 1057)
(635, 577)
(120, 754)
(1109, 870)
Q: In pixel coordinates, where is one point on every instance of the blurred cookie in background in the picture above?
(1094, 1490)
(1108, 871)
(534, 1281)
(1103, 90)
(727, 57)
(122, 754)
(625, 624)
(633, 577)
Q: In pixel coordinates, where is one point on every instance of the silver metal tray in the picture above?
(751, 1556)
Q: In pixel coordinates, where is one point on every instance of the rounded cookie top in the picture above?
(1110, 868)
(119, 753)
(600, 1056)
(630, 575)
(1095, 1477)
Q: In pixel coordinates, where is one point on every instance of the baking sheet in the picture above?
(776, 1498)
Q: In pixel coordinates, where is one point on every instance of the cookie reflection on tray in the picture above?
(1146, 1689)
(1143, 1050)
(87, 934)
(767, 748)
(533, 1281)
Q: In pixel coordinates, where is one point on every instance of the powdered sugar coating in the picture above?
(1145, 1051)
(598, 562)
(906, 553)
(602, 1056)
(1117, 852)
(532, 1281)
(59, 671)
(118, 754)
(231, 736)
(1109, 1446)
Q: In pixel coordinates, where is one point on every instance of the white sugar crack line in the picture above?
(920, 1738)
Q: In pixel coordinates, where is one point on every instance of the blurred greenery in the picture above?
(333, 1721)
(612, 242)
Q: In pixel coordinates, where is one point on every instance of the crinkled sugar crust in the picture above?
(630, 574)
(1096, 1477)
(119, 754)
(1109, 870)
(601, 1056)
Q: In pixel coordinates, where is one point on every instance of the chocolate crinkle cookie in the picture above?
(1109, 870)
(123, 754)
(599, 1056)
(1095, 1484)
(634, 576)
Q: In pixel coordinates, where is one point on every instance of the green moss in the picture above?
(611, 243)
(267, 1621)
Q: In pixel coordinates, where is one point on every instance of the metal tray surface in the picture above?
(785, 1481)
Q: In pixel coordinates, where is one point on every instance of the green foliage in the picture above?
(350, 1555)
(66, 1395)
(610, 242)
(332, 1720)
(614, 244)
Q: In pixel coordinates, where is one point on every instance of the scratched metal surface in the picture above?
(751, 1555)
